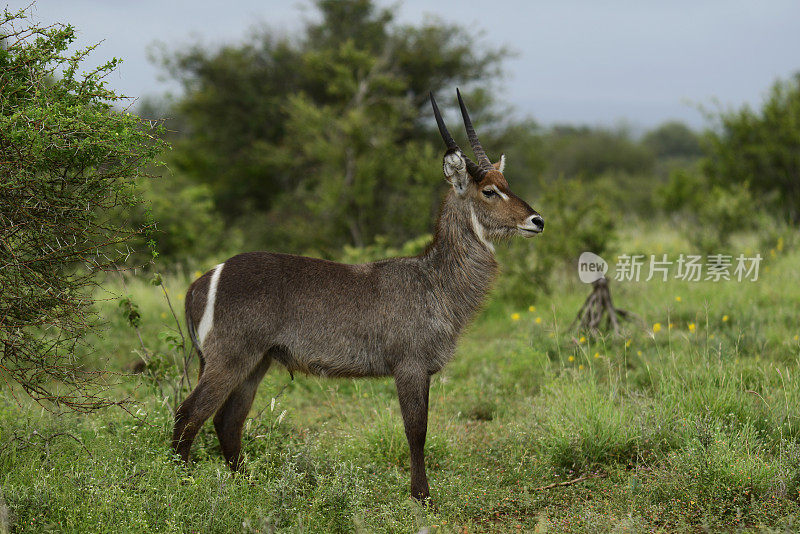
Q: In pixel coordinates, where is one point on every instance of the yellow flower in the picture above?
(677, 299)
(780, 244)
(531, 308)
(671, 325)
(571, 358)
(198, 274)
(796, 337)
(582, 339)
(538, 320)
(628, 343)
(724, 318)
(656, 327)
(691, 327)
(580, 367)
(772, 252)
(515, 317)
(163, 315)
(596, 355)
(638, 353)
(711, 336)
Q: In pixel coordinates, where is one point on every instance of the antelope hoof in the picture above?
(424, 500)
(423, 496)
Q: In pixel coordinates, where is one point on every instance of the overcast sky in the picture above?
(578, 61)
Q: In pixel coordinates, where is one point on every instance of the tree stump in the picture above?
(598, 306)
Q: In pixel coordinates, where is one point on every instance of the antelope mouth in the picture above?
(528, 231)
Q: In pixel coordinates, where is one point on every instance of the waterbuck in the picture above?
(398, 317)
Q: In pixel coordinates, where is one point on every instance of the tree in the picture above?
(673, 140)
(583, 152)
(68, 160)
(318, 141)
(761, 149)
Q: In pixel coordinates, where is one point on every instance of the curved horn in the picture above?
(448, 139)
(474, 170)
(477, 149)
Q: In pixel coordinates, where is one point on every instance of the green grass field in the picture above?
(694, 426)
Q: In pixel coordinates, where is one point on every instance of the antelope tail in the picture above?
(193, 335)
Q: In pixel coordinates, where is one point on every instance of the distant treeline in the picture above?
(324, 139)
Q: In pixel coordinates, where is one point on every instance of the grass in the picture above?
(684, 429)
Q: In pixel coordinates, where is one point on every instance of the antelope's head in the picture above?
(495, 211)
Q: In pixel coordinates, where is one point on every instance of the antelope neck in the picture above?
(462, 264)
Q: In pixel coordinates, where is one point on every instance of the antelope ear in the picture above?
(500, 165)
(455, 170)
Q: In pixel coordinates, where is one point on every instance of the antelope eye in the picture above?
(489, 193)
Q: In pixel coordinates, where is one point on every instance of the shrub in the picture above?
(762, 148)
(68, 159)
(185, 224)
(577, 218)
(381, 249)
(712, 214)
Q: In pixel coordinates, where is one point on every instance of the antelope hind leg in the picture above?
(231, 416)
(216, 384)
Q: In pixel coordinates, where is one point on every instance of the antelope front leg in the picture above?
(412, 391)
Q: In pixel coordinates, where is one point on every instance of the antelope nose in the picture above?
(537, 222)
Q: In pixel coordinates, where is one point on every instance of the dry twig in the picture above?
(571, 482)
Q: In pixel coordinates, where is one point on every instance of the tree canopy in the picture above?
(761, 148)
(325, 127)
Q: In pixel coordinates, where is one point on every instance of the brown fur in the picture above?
(397, 317)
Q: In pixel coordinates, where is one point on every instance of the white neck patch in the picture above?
(207, 321)
(477, 227)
